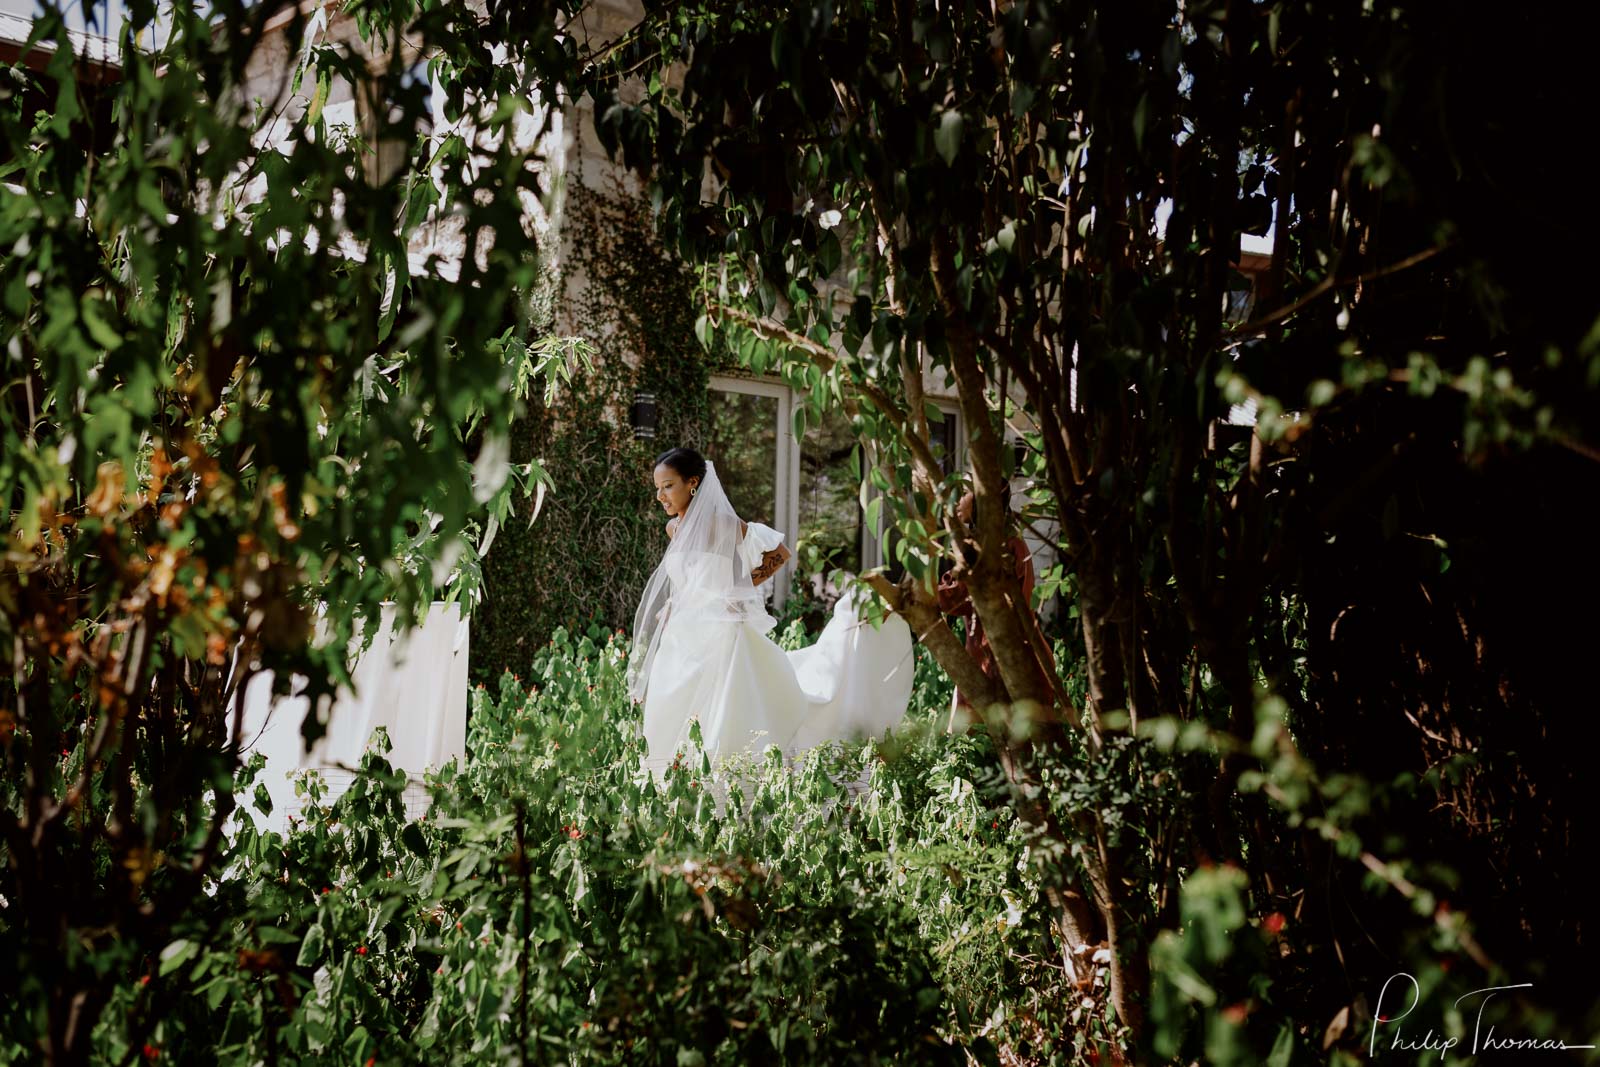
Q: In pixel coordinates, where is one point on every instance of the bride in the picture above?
(701, 648)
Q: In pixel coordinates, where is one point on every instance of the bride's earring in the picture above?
(692, 489)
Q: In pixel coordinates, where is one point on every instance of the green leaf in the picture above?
(319, 99)
(148, 193)
(1007, 237)
(99, 330)
(829, 254)
(947, 137)
(874, 510)
(177, 954)
(311, 947)
(1282, 1053)
(412, 838)
(780, 47)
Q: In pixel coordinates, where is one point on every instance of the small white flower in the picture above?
(1081, 950)
(829, 219)
(1101, 956)
(1013, 915)
(1087, 1004)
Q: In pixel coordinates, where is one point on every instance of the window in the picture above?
(830, 514)
(743, 442)
(750, 440)
(942, 436)
(803, 489)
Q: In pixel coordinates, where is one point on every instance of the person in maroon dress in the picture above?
(955, 600)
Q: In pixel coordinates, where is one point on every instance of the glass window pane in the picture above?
(942, 438)
(830, 505)
(743, 443)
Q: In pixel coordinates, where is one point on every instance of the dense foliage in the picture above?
(1320, 716)
(230, 397)
(1349, 614)
(864, 906)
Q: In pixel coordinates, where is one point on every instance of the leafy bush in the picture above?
(846, 909)
(876, 902)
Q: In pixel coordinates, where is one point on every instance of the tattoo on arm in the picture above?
(770, 562)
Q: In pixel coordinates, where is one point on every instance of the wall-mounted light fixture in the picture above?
(644, 416)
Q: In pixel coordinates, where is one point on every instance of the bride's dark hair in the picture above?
(686, 461)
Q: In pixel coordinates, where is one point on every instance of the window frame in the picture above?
(786, 508)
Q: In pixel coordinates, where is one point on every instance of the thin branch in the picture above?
(1329, 284)
(826, 358)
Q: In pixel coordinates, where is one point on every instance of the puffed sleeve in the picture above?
(758, 541)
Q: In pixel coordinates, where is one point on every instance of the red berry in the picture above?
(151, 1052)
(362, 951)
(144, 979)
(1274, 923)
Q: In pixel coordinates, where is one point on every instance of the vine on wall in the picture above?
(599, 533)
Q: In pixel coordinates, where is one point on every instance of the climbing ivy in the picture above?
(597, 533)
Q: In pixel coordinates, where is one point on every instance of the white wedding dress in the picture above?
(702, 651)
